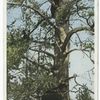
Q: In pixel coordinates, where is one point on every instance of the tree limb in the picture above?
(82, 85)
(70, 33)
(36, 26)
(75, 50)
(43, 42)
(34, 62)
(43, 15)
(45, 52)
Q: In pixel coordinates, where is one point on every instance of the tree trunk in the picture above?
(62, 68)
(61, 63)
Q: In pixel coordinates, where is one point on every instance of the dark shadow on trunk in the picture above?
(51, 95)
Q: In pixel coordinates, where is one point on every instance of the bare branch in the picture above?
(45, 52)
(83, 50)
(82, 85)
(43, 3)
(89, 57)
(70, 33)
(42, 14)
(36, 26)
(43, 42)
(34, 62)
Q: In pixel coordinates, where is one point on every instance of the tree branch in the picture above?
(89, 57)
(43, 15)
(70, 33)
(45, 52)
(75, 50)
(82, 85)
(34, 62)
(83, 50)
(36, 26)
(43, 42)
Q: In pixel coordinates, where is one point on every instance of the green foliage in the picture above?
(47, 82)
(84, 94)
(16, 47)
(91, 13)
(89, 45)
